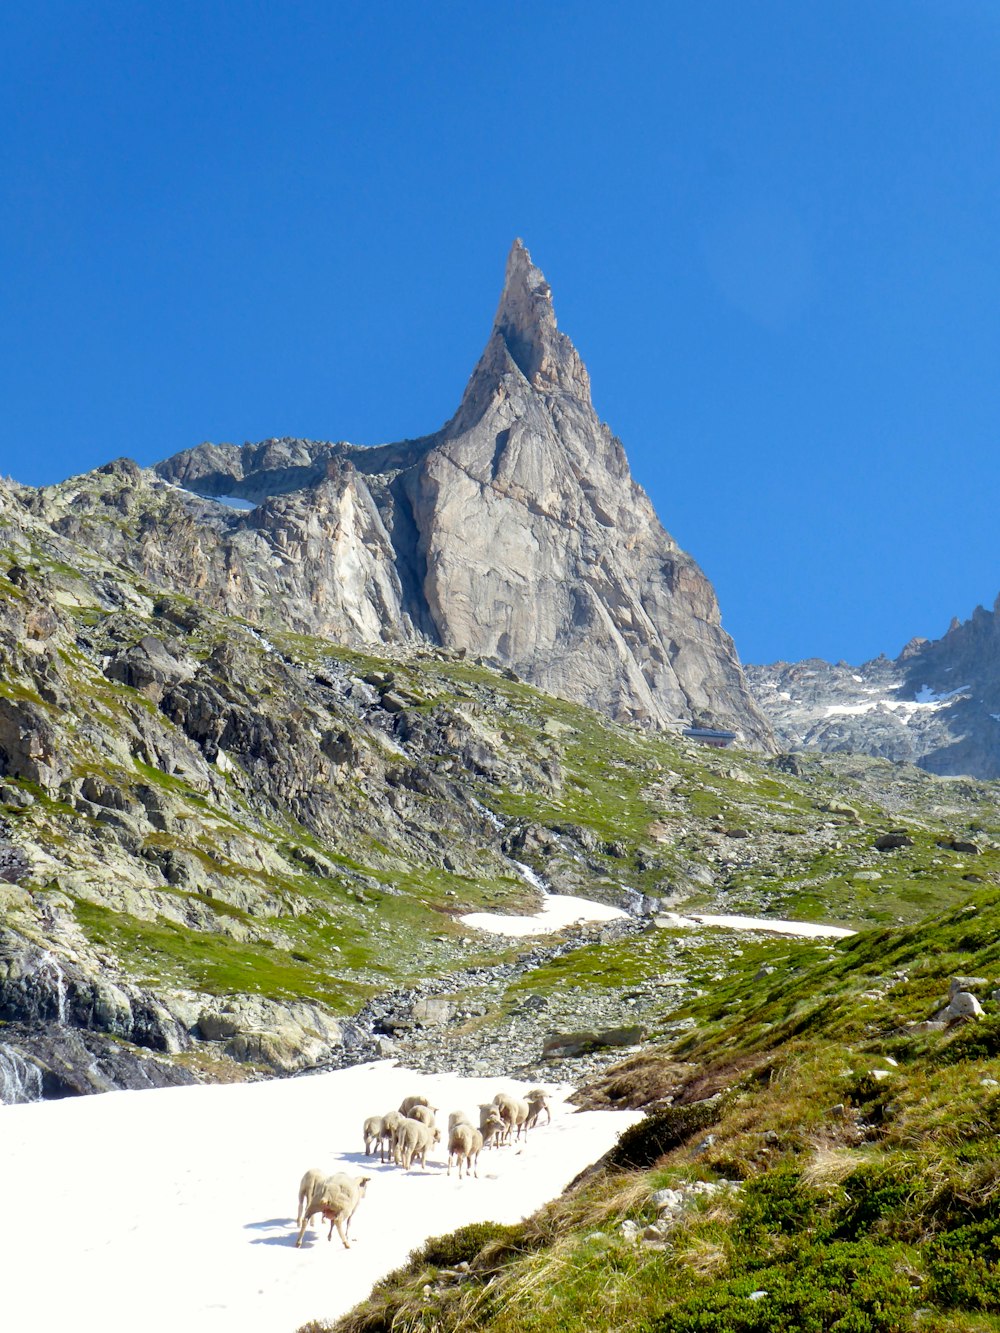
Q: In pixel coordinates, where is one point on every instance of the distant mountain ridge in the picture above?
(515, 533)
(936, 705)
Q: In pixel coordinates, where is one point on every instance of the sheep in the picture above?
(458, 1118)
(309, 1186)
(491, 1125)
(425, 1114)
(413, 1139)
(391, 1122)
(373, 1132)
(465, 1142)
(538, 1101)
(408, 1103)
(513, 1112)
(336, 1197)
(519, 1119)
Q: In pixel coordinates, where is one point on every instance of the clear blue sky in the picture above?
(771, 229)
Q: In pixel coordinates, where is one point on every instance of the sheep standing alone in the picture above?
(336, 1197)
(413, 1139)
(465, 1143)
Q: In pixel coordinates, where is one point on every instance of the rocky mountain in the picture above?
(257, 763)
(515, 533)
(936, 705)
(225, 852)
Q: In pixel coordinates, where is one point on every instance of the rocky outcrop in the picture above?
(516, 533)
(936, 705)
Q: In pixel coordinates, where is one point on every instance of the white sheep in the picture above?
(335, 1197)
(408, 1103)
(465, 1143)
(538, 1101)
(491, 1125)
(513, 1112)
(391, 1122)
(457, 1118)
(425, 1114)
(373, 1131)
(413, 1139)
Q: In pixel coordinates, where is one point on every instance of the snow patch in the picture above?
(558, 911)
(200, 1183)
(925, 695)
(807, 929)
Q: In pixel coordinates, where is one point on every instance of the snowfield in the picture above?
(173, 1210)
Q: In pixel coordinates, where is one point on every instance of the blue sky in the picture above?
(771, 229)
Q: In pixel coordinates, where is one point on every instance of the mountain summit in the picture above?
(524, 338)
(514, 533)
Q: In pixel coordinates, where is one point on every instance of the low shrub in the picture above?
(489, 1240)
(963, 1266)
(642, 1145)
(840, 1288)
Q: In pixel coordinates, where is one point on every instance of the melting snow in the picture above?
(558, 910)
(805, 928)
(232, 501)
(925, 695)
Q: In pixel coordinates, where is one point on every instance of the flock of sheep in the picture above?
(407, 1135)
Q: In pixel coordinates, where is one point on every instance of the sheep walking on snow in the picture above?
(413, 1141)
(465, 1143)
(334, 1197)
(491, 1125)
(373, 1132)
(391, 1122)
(538, 1101)
(408, 1103)
(514, 1114)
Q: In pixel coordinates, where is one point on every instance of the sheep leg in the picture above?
(340, 1231)
(309, 1216)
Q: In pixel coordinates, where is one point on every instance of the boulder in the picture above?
(565, 1045)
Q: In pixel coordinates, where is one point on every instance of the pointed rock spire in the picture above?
(526, 321)
(524, 340)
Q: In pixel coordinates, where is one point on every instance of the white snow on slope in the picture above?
(558, 911)
(174, 1209)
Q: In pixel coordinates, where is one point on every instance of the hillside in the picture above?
(817, 1156)
(229, 852)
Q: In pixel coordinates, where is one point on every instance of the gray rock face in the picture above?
(515, 533)
(936, 705)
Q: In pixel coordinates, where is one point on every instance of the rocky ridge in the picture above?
(936, 705)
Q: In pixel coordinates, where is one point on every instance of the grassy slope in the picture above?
(866, 1202)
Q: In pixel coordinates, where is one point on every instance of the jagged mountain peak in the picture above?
(515, 533)
(525, 341)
